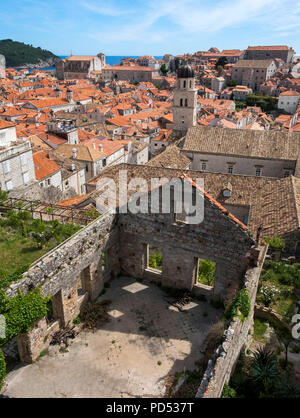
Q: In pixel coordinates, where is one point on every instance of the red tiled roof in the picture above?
(43, 166)
(4, 124)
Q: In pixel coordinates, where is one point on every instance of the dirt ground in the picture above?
(145, 340)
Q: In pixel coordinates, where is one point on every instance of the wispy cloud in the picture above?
(194, 17)
(105, 8)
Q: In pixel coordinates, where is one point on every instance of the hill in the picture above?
(18, 54)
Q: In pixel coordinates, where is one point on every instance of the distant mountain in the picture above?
(18, 54)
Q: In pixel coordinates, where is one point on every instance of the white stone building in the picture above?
(289, 101)
(16, 162)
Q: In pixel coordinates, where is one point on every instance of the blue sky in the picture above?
(152, 27)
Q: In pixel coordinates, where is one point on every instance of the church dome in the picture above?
(185, 71)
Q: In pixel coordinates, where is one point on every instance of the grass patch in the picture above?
(284, 279)
(260, 328)
(24, 240)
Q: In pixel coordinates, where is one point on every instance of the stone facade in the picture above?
(76, 67)
(181, 246)
(130, 73)
(16, 165)
(289, 101)
(185, 104)
(252, 73)
(266, 52)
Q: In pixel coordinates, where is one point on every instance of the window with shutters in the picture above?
(25, 178)
(9, 185)
(6, 167)
(23, 160)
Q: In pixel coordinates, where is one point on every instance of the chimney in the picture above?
(100, 147)
(75, 152)
(94, 145)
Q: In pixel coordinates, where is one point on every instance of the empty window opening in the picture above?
(186, 102)
(50, 314)
(80, 285)
(103, 262)
(155, 259)
(206, 271)
(181, 102)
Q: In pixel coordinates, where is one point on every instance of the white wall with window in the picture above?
(243, 165)
(16, 167)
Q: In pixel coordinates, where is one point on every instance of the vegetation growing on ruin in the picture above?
(155, 259)
(206, 272)
(239, 306)
(21, 311)
(276, 243)
(24, 240)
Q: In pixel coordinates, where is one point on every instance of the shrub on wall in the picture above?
(276, 243)
(240, 306)
(21, 312)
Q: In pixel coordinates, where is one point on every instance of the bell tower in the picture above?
(185, 100)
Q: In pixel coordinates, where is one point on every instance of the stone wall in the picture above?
(236, 336)
(31, 344)
(217, 238)
(71, 275)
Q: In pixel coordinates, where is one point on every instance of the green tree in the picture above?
(164, 70)
(206, 272)
(232, 83)
(222, 61)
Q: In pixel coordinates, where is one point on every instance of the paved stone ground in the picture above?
(145, 341)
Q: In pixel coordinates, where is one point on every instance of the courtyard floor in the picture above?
(145, 341)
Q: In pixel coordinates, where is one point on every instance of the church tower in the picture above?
(185, 100)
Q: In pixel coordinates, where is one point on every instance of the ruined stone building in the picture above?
(76, 271)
